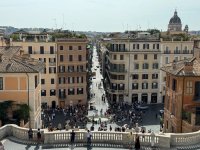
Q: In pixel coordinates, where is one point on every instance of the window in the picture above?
(71, 91)
(154, 85)
(1, 82)
(121, 77)
(43, 92)
(135, 76)
(147, 46)
(155, 66)
(61, 80)
(52, 92)
(145, 66)
(30, 50)
(70, 68)
(70, 48)
(136, 66)
(61, 58)
(62, 93)
(51, 50)
(41, 49)
(154, 76)
(71, 80)
(155, 56)
(52, 81)
(144, 85)
(79, 79)
(197, 89)
(44, 70)
(133, 46)
(189, 87)
(42, 81)
(70, 57)
(80, 68)
(79, 48)
(154, 46)
(145, 56)
(144, 76)
(144, 46)
(176, 59)
(134, 86)
(174, 84)
(158, 46)
(79, 58)
(61, 47)
(135, 57)
(166, 60)
(79, 91)
(61, 69)
(121, 57)
(121, 86)
(52, 69)
(138, 46)
(115, 57)
(52, 60)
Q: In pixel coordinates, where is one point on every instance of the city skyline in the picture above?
(96, 15)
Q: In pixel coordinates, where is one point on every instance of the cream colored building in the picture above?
(133, 69)
(20, 81)
(173, 51)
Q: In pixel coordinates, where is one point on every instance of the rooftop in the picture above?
(12, 62)
(188, 67)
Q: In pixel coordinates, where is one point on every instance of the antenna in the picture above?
(55, 23)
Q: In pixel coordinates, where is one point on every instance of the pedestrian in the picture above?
(30, 134)
(72, 136)
(130, 138)
(156, 115)
(110, 128)
(39, 135)
(59, 126)
(137, 142)
(89, 136)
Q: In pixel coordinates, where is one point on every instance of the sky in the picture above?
(98, 15)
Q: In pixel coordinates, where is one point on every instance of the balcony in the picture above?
(52, 63)
(112, 91)
(167, 52)
(118, 70)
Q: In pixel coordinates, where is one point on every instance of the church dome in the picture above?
(175, 19)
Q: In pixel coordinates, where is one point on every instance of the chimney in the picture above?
(188, 67)
(21, 52)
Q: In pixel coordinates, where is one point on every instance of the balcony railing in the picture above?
(52, 64)
(118, 70)
(161, 141)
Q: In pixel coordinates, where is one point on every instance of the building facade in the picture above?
(20, 81)
(72, 71)
(46, 52)
(132, 72)
(182, 107)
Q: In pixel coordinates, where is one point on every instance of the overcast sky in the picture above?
(98, 15)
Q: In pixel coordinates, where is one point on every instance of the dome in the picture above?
(175, 19)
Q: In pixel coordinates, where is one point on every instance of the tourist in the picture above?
(39, 135)
(130, 140)
(72, 136)
(110, 128)
(30, 133)
(59, 126)
(89, 136)
(137, 142)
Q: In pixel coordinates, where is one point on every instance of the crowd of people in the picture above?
(61, 118)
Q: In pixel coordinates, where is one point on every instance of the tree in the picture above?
(23, 112)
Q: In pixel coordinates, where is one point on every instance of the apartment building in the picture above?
(132, 71)
(45, 51)
(182, 107)
(72, 71)
(20, 81)
(173, 50)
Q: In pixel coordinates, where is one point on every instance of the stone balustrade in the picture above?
(166, 140)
